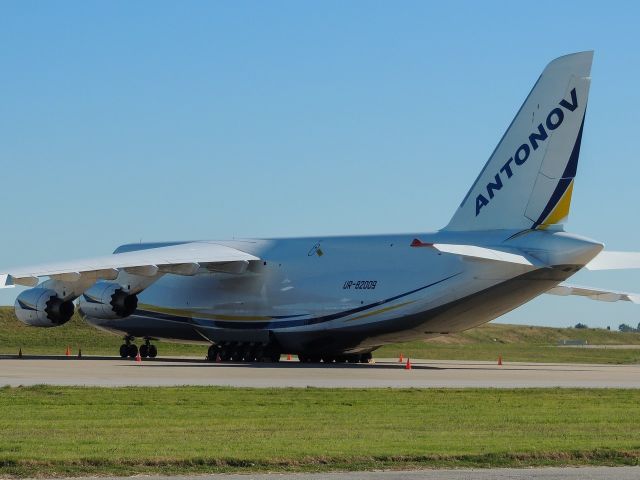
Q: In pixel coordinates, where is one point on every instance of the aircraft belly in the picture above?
(458, 315)
(140, 327)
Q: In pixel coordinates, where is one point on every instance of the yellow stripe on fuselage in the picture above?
(382, 310)
(194, 313)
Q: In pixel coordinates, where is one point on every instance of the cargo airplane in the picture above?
(337, 299)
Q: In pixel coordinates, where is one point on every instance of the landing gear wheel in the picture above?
(366, 357)
(144, 350)
(274, 357)
(212, 353)
(132, 350)
(153, 351)
(124, 350)
(257, 353)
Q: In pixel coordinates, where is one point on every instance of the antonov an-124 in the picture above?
(337, 299)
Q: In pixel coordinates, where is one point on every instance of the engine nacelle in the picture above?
(107, 300)
(42, 307)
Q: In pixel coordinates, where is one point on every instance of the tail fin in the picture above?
(528, 180)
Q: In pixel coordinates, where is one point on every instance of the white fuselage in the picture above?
(352, 294)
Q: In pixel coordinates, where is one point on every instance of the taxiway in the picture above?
(106, 371)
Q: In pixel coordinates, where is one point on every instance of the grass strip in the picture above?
(35, 469)
(66, 431)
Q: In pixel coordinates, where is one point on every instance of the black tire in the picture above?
(124, 350)
(365, 357)
(257, 354)
(132, 350)
(212, 352)
(144, 350)
(153, 351)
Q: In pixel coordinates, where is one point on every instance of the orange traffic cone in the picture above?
(20, 353)
(408, 365)
(401, 359)
(138, 358)
(499, 359)
(79, 353)
(288, 357)
(68, 352)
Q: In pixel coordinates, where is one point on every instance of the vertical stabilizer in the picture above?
(528, 180)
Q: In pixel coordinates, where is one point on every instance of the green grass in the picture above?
(73, 431)
(513, 342)
(514, 352)
(519, 343)
(76, 333)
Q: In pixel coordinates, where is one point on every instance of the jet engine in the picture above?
(42, 307)
(107, 300)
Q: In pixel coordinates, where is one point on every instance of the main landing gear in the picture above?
(352, 358)
(130, 350)
(242, 352)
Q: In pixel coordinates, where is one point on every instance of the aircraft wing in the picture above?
(181, 259)
(595, 293)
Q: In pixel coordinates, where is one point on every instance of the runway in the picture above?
(107, 371)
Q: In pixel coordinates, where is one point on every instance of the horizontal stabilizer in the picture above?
(483, 253)
(6, 281)
(595, 293)
(615, 261)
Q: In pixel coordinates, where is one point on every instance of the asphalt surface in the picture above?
(103, 371)
(581, 473)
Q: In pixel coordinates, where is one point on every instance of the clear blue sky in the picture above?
(151, 120)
